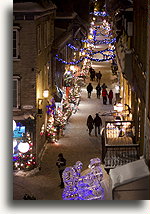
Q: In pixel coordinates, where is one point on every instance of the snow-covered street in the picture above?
(75, 145)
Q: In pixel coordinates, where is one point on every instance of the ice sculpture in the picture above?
(86, 185)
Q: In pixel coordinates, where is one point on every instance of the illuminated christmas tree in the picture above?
(23, 158)
(68, 78)
(51, 130)
(67, 110)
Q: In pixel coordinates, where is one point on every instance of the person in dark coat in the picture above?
(98, 90)
(89, 89)
(110, 96)
(98, 76)
(104, 95)
(61, 163)
(97, 124)
(104, 86)
(90, 124)
(92, 74)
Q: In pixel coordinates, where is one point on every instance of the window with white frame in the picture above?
(16, 43)
(16, 94)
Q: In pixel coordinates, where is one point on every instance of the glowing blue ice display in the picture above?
(83, 187)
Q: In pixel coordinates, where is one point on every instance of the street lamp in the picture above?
(46, 93)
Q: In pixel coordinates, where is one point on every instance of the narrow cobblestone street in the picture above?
(75, 145)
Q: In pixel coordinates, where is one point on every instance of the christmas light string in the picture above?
(98, 13)
(89, 51)
(98, 42)
(86, 57)
(93, 41)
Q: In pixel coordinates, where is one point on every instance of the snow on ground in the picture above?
(75, 145)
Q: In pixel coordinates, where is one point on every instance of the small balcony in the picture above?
(118, 144)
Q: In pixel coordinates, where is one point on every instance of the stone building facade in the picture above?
(131, 28)
(147, 109)
(33, 34)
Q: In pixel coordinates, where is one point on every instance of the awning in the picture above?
(22, 117)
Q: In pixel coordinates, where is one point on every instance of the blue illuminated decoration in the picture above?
(102, 34)
(51, 107)
(73, 47)
(19, 131)
(78, 49)
(89, 51)
(86, 186)
(69, 63)
(99, 42)
(109, 57)
(98, 13)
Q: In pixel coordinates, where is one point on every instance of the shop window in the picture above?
(16, 43)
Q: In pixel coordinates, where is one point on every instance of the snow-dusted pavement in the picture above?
(75, 145)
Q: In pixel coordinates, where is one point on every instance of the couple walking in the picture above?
(97, 122)
(105, 94)
(90, 89)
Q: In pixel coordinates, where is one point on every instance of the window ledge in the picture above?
(16, 109)
(16, 60)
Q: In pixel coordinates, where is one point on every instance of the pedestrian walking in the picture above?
(110, 96)
(97, 124)
(89, 90)
(90, 71)
(92, 74)
(104, 95)
(90, 124)
(98, 76)
(61, 163)
(104, 86)
(98, 90)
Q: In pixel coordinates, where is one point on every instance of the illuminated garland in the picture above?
(98, 13)
(101, 34)
(91, 52)
(97, 42)
(102, 52)
(68, 63)
(86, 57)
(94, 41)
